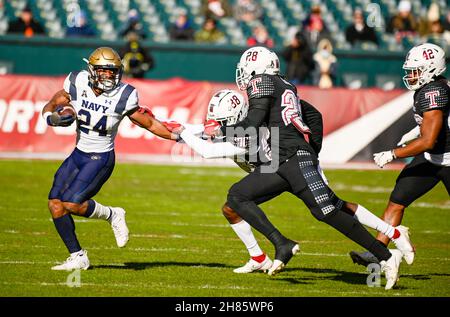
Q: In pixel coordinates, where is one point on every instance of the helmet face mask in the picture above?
(423, 63)
(105, 69)
(412, 77)
(254, 61)
(227, 107)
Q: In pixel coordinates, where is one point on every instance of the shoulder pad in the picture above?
(433, 96)
(261, 86)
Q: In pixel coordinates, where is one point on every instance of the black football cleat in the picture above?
(363, 258)
(283, 254)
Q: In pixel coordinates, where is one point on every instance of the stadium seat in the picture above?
(388, 82)
(355, 80)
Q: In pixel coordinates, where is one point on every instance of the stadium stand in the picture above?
(107, 16)
(281, 18)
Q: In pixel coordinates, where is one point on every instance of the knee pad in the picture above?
(235, 197)
(233, 201)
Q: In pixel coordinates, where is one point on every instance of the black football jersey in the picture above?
(257, 149)
(285, 106)
(435, 96)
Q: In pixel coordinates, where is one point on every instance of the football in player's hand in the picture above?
(63, 116)
(66, 111)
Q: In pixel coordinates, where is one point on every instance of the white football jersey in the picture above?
(98, 117)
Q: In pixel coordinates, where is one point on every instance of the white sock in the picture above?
(367, 218)
(101, 212)
(244, 232)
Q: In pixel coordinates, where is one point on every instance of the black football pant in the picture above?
(298, 175)
(417, 178)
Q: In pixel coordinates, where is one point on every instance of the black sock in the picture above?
(66, 229)
(90, 209)
(353, 229)
(256, 218)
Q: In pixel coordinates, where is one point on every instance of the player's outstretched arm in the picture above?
(144, 118)
(210, 150)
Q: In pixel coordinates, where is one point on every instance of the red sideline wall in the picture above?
(22, 128)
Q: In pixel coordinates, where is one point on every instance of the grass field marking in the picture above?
(135, 285)
(434, 232)
(445, 205)
(321, 254)
(11, 231)
(207, 286)
(150, 235)
(211, 172)
(27, 262)
(360, 188)
(184, 224)
(156, 213)
(204, 214)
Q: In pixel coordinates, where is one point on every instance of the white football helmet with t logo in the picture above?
(227, 107)
(254, 61)
(423, 63)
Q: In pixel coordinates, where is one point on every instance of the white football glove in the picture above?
(382, 158)
(408, 137)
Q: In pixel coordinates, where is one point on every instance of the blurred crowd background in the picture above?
(309, 36)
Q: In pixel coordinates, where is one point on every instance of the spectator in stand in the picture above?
(247, 11)
(80, 26)
(403, 23)
(182, 29)
(446, 24)
(260, 37)
(446, 27)
(299, 59)
(326, 65)
(359, 32)
(135, 58)
(26, 25)
(431, 27)
(314, 27)
(133, 25)
(216, 9)
(209, 33)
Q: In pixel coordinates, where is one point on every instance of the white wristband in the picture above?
(46, 115)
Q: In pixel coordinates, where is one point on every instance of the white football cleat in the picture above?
(76, 261)
(253, 265)
(403, 243)
(119, 226)
(391, 267)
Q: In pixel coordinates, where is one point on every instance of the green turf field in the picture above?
(181, 245)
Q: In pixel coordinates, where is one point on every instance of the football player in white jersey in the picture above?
(100, 101)
(229, 107)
